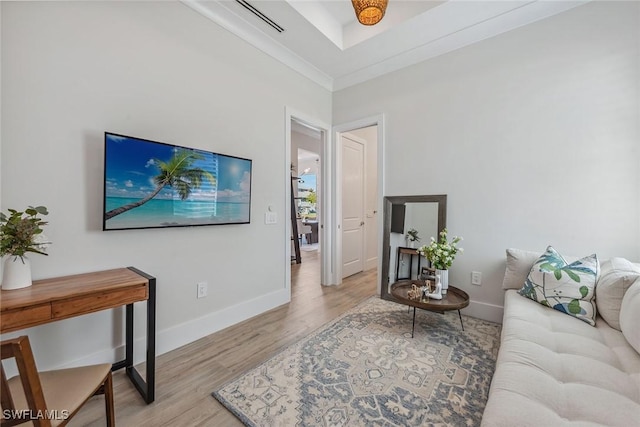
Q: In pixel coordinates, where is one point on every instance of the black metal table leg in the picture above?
(460, 315)
(413, 327)
(151, 342)
(145, 388)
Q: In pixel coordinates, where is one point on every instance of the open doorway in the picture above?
(307, 199)
(329, 192)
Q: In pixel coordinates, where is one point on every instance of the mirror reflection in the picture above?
(409, 222)
(422, 219)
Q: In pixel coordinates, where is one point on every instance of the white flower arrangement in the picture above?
(442, 253)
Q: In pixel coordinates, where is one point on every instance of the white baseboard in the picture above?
(185, 333)
(371, 263)
(482, 310)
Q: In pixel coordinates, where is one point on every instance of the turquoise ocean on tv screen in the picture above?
(164, 212)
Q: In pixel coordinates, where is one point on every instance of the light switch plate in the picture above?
(270, 218)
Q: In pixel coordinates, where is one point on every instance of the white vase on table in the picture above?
(16, 273)
(444, 279)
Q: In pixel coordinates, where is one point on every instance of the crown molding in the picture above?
(444, 27)
(238, 26)
(484, 29)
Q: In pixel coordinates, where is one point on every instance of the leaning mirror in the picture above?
(425, 216)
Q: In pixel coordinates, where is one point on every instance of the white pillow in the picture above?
(616, 276)
(630, 315)
(566, 287)
(519, 263)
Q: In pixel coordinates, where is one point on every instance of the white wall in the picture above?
(1, 106)
(533, 135)
(157, 70)
(370, 135)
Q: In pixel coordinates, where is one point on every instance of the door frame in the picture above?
(324, 227)
(336, 190)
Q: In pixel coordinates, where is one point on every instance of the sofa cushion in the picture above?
(616, 275)
(554, 371)
(630, 315)
(519, 263)
(569, 288)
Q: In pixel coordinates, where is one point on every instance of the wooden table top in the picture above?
(455, 299)
(60, 288)
(60, 298)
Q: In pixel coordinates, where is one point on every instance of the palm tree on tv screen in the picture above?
(177, 173)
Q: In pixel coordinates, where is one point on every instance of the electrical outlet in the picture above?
(202, 289)
(476, 278)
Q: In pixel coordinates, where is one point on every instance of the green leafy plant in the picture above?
(441, 253)
(312, 197)
(412, 235)
(21, 232)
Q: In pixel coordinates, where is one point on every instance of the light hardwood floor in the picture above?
(185, 377)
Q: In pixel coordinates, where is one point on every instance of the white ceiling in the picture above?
(323, 40)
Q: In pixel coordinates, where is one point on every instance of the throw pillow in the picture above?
(630, 315)
(519, 263)
(568, 288)
(616, 275)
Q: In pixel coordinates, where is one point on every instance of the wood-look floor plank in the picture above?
(185, 377)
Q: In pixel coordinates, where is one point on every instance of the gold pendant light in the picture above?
(369, 12)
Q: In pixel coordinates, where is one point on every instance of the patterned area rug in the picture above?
(364, 369)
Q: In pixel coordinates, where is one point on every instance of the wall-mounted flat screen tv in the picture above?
(150, 184)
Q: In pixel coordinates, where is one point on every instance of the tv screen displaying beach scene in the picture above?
(149, 184)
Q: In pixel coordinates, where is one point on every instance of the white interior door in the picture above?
(352, 206)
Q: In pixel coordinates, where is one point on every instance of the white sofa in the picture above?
(556, 370)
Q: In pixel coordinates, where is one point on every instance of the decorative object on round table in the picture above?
(442, 280)
(414, 293)
(437, 293)
(425, 293)
(20, 232)
(441, 255)
(442, 277)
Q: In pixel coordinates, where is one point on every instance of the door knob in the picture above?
(361, 223)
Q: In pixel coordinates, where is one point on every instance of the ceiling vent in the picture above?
(260, 15)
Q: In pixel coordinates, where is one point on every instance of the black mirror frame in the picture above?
(389, 201)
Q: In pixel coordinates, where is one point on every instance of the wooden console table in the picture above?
(60, 298)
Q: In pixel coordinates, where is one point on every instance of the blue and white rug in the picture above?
(364, 369)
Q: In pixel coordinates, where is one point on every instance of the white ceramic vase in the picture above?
(444, 280)
(16, 273)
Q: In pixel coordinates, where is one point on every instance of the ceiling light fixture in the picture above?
(369, 12)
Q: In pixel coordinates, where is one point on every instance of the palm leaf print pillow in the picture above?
(569, 288)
